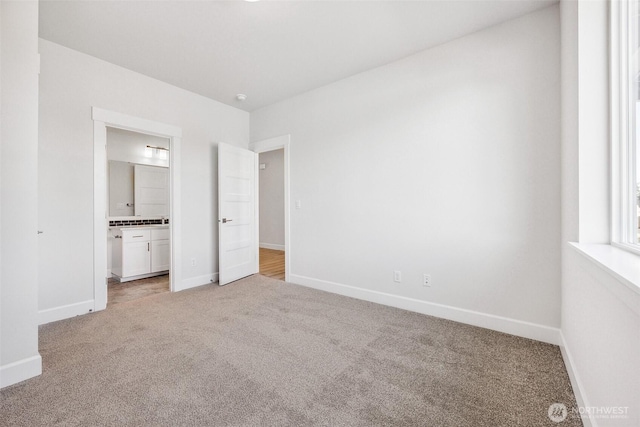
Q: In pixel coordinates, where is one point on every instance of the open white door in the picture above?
(237, 213)
(151, 191)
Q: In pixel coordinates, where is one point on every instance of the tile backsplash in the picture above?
(120, 223)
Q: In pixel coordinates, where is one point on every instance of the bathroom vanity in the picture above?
(140, 252)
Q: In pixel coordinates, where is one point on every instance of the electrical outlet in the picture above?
(397, 276)
(426, 281)
(193, 262)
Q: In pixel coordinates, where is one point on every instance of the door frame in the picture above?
(101, 120)
(272, 144)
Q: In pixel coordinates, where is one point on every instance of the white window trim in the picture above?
(623, 191)
(618, 260)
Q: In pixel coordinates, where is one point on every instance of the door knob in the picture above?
(40, 231)
(225, 220)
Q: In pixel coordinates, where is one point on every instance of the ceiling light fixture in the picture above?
(241, 96)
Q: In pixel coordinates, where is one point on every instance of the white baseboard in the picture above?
(65, 312)
(497, 323)
(194, 282)
(84, 307)
(576, 384)
(272, 246)
(21, 370)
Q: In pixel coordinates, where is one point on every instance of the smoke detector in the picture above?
(241, 97)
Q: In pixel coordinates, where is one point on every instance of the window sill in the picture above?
(621, 264)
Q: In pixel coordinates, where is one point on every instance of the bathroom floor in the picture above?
(128, 291)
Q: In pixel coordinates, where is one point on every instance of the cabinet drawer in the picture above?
(159, 234)
(135, 235)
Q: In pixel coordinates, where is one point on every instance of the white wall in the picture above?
(272, 200)
(600, 315)
(70, 84)
(601, 330)
(19, 358)
(447, 163)
(126, 146)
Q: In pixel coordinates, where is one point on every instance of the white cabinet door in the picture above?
(136, 257)
(160, 255)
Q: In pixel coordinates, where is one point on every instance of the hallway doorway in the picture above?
(271, 213)
(272, 263)
(274, 206)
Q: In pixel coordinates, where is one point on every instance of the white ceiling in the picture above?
(268, 50)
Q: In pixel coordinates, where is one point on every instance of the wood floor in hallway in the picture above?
(272, 263)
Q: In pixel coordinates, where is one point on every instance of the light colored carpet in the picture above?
(261, 352)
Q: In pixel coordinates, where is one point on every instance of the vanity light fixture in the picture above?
(153, 151)
(157, 148)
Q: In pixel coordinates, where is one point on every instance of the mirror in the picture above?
(138, 174)
(138, 190)
(121, 202)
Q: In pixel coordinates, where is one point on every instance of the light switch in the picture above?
(298, 204)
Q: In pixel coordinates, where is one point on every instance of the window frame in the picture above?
(624, 198)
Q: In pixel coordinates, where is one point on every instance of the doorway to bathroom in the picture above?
(136, 239)
(138, 243)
